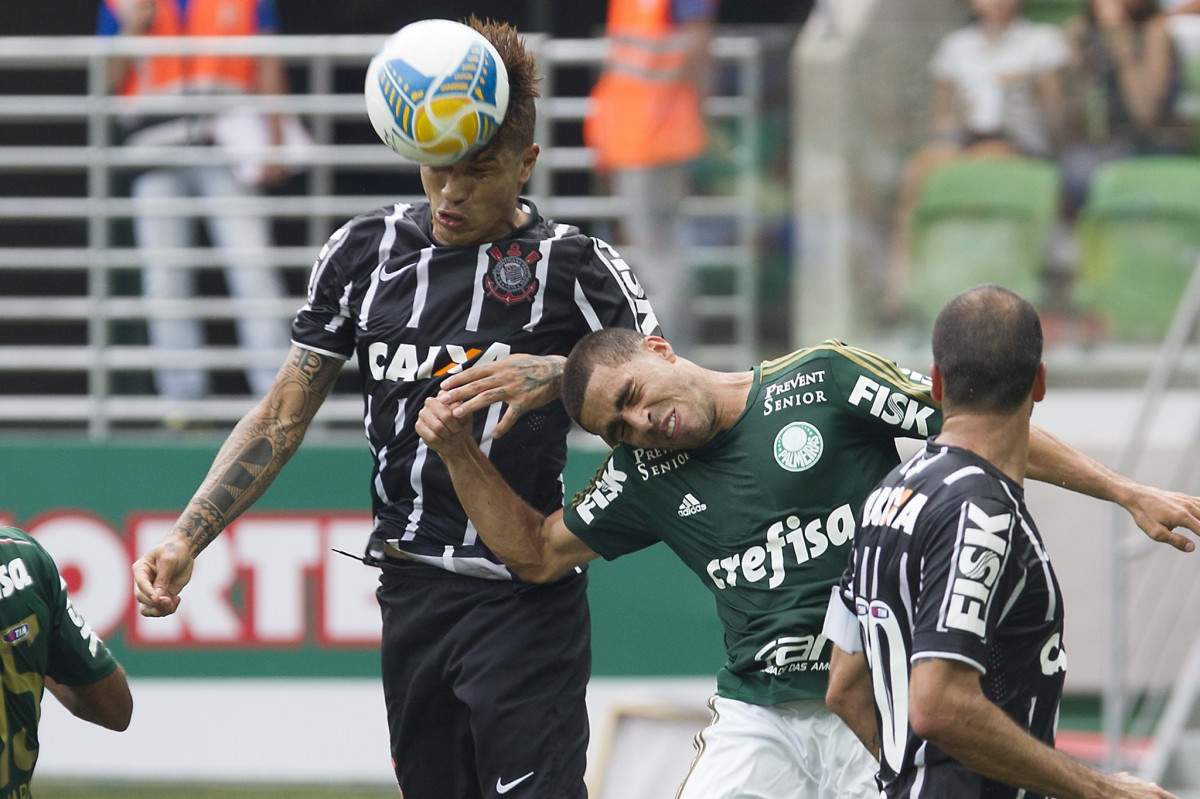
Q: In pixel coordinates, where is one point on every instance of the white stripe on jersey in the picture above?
(639, 306)
(1026, 528)
(905, 588)
(1012, 599)
(543, 270)
(422, 289)
(938, 654)
(481, 267)
(323, 257)
(380, 490)
(386, 240)
(965, 471)
(920, 461)
(471, 535)
(919, 782)
(418, 502)
(314, 276)
(589, 313)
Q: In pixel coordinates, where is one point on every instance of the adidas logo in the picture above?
(691, 506)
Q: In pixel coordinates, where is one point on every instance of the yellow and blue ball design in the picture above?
(436, 91)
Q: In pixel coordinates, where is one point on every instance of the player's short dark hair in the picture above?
(987, 343)
(516, 131)
(611, 346)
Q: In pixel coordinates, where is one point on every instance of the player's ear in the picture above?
(1039, 383)
(935, 374)
(660, 347)
(529, 157)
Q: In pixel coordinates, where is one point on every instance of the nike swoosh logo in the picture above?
(505, 787)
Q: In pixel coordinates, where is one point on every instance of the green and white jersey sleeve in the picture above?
(765, 512)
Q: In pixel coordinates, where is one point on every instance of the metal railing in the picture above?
(73, 354)
(1163, 715)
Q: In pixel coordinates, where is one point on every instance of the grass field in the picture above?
(58, 789)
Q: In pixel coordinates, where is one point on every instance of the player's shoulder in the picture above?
(954, 477)
(14, 539)
(608, 484)
(847, 359)
(404, 226)
(404, 217)
(24, 561)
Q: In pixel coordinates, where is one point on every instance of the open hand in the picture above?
(522, 381)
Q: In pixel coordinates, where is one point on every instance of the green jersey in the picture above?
(764, 513)
(40, 634)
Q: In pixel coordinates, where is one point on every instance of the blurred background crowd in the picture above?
(855, 165)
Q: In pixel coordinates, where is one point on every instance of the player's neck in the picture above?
(733, 391)
(1000, 439)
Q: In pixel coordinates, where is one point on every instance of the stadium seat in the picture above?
(1054, 12)
(1139, 239)
(981, 221)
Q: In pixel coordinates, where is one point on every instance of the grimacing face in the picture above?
(649, 402)
(474, 201)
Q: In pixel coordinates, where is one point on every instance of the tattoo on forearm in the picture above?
(252, 460)
(259, 446)
(541, 372)
(203, 523)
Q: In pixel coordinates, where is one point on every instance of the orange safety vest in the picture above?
(644, 112)
(167, 74)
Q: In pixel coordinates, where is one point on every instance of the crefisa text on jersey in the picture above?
(788, 395)
(13, 577)
(803, 539)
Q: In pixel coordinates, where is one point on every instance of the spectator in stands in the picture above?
(645, 123)
(997, 93)
(1126, 82)
(243, 238)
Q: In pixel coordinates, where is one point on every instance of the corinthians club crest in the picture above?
(510, 277)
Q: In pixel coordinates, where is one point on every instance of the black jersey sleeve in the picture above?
(326, 322)
(963, 561)
(608, 293)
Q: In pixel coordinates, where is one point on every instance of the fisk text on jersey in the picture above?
(890, 406)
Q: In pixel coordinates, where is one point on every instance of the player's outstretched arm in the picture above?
(523, 382)
(537, 548)
(1157, 511)
(947, 707)
(106, 702)
(259, 446)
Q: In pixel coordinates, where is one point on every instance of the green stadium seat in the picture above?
(981, 221)
(1054, 12)
(1139, 240)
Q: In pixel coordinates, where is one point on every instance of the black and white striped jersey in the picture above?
(413, 312)
(948, 564)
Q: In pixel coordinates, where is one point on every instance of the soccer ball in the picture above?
(436, 91)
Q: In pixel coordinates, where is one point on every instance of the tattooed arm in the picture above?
(523, 382)
(259, 446)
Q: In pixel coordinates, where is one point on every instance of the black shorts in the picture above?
(485, 683)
